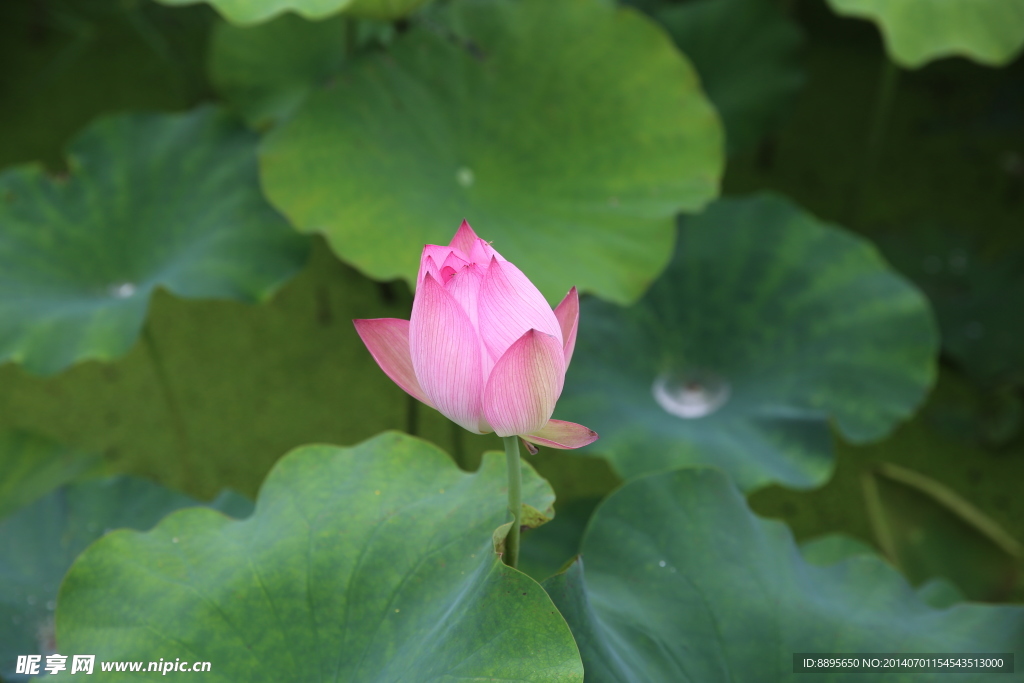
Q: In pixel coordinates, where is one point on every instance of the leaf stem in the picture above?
(351, 36)
(883, 108)
(163, 381)
(515, 499)
(884, 97)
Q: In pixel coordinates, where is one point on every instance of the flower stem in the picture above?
(515, 499)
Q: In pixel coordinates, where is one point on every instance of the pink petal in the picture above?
(509, 306)
(482, 253)
(452, 264)
(388, 342)
(445, 354)
(568, 315)
(430, 261)
(525, 385)
(464, 238)
(464, 287)
(561, 434)
(468, 245)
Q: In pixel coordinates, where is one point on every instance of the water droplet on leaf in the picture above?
(122, 290)
(465, 176)
(690, 395)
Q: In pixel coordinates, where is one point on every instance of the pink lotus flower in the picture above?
(482, 345)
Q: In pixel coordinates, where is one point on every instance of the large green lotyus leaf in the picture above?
(569, 133)
(768, 326)
(371, 563)
(679, 581)
(41, 541)
(918, 31)
(150, 200)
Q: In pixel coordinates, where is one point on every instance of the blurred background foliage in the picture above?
(925, 163)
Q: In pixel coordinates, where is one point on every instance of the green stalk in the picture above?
(351, 37)
(515, 499)
(880, 117)
(163, 381)
(884, 98)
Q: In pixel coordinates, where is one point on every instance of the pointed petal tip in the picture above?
(563, 435)
(568, 315)
(524, 385)
(464, 238)
(387, 340)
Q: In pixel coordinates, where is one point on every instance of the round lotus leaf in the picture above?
(41, 540)
(918, 31)
(256, 11)
(372, 563)
(746, 52)
(679, 581)
(570, 134)
(149, 201)
(767, 327)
